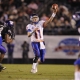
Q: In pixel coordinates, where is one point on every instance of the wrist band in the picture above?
(53, 15)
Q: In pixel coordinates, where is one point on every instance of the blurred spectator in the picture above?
(33, 5)
(64, 10)
(39, 3)
(20, 10)
(44, 17)
(25, 50)
(22, 21)
(73, 23)
(67, 24)
(3, 16)
(10, 48)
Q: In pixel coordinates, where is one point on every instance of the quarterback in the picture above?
(35, 31)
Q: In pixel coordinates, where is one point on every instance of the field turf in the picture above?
(45, 72)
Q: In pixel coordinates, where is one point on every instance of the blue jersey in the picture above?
(77, 62)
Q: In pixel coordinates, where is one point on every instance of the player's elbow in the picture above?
(45, 24)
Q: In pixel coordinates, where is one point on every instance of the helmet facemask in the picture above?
(34, 19)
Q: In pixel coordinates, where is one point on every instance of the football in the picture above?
(55, 6)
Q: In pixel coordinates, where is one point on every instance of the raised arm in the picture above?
(55, 9)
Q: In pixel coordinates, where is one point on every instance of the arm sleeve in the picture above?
(28, 28)
(41, 22)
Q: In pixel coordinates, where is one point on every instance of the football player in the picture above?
(7, 36)
(35, 31)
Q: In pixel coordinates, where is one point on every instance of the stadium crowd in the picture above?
(20, 10)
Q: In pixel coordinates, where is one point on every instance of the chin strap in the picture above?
(35, 22)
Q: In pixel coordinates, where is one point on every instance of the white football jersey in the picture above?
(38, 35)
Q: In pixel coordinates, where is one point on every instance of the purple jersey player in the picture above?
(6, 35)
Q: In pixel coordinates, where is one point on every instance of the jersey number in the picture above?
(37, 33)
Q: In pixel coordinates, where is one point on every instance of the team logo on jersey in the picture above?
(69, 46)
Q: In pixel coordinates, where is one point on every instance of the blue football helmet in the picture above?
(34, 15)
